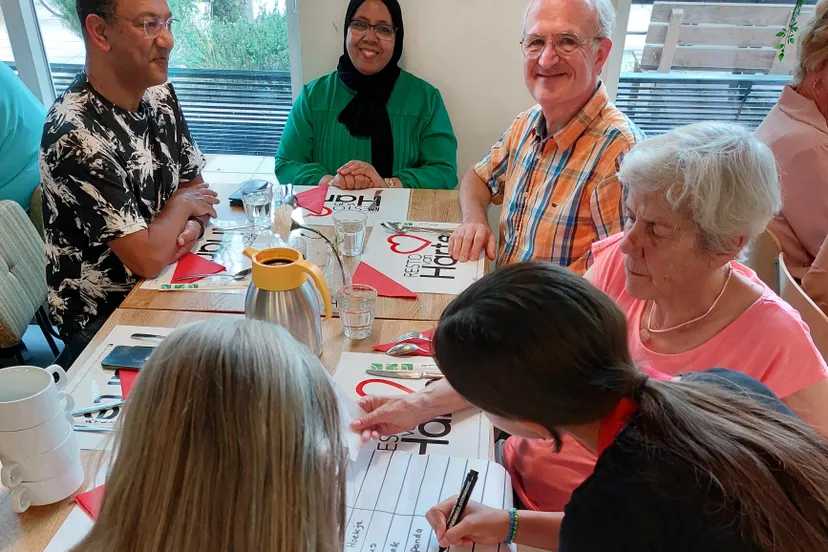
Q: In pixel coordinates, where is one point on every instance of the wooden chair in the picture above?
(719, 37)
(763, 258)
(811, 314)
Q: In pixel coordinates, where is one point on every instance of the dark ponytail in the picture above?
(536, 342)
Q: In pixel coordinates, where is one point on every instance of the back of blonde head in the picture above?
(231, 441)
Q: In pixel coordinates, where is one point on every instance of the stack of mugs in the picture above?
(38, 449)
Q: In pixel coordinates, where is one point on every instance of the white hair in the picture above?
(812, 47)
(720, 173)
(604, 13)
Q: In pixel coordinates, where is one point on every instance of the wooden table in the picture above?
(33, 530)
(425, 205)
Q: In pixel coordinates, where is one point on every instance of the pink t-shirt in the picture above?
(768, 341)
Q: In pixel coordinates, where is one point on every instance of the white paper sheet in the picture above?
(393, 205)
(466, 434)
(390, 493)
(91, 384)
(420, 261)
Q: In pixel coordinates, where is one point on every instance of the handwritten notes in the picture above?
(389, 493)
(467, 433)
(420, 261)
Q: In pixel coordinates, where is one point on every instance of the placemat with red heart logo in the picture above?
(420, 260)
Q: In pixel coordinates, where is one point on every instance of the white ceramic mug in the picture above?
(29, 396)
(41, 466)
(49, 491)
(17, 445)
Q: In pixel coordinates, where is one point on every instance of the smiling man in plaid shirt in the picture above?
(554, 168)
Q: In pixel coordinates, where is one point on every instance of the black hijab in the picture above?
(366, 115)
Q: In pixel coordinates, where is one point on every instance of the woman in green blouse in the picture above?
(369, 124)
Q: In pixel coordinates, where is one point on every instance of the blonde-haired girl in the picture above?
(231, 441)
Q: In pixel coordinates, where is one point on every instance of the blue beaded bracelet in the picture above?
(513, 525)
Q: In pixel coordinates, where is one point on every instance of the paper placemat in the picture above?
(420, 261)
(467, 434)
(220, 244)
(393, 205)
(91, 384)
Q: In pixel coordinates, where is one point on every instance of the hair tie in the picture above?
(639, 385)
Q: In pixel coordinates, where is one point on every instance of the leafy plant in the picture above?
(228, 40)
(788, 34)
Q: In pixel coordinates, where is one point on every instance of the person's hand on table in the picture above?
(479, 525)
(197, 200)
(470, 239)
(327, 179)
(189, 236)
(358, 175)
(387, 416)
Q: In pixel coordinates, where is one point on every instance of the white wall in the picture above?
(468, 49)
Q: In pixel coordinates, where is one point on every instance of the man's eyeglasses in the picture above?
(382, 30)
(152, 25)
(533, 45)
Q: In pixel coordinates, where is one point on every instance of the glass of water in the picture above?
(257, 196)
(357, 304)
(350, 232)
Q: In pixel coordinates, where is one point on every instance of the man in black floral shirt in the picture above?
(123, 192)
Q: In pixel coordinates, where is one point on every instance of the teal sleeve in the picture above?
(438, 152)
(294, 162)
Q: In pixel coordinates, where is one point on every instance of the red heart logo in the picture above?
(360, 388)
(397, 238)
(325, 212)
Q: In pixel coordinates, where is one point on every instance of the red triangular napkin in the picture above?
(128, 378)
(314, 199)
(193, 264)
(90, 502)
(385, 286)
(421, 342)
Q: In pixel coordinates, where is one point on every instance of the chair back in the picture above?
(22, 273)
(811, 314)
(763, 257)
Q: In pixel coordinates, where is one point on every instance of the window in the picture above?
(230, 66)
(6, 55)
(685, 62)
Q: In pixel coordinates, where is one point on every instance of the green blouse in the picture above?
(315, 143)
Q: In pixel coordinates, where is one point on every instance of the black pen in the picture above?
(462, 502)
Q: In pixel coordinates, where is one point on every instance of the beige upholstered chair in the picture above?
(22, 278)
(811, 314)
(763, 257)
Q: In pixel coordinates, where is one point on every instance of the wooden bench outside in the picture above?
(730, 37)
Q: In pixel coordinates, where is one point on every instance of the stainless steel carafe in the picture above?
(281, 293)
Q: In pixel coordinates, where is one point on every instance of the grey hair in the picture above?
(812, 47)
(720, 173)
(604, 11)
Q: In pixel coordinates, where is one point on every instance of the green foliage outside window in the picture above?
(227, 40)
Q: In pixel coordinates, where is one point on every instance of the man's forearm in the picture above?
(475, 197)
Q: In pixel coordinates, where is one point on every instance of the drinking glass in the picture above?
(257, 196)
(357, 304)
(350, 232)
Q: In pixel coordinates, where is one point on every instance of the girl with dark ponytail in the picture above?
(709, 461)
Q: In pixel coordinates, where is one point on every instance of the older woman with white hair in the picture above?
(695, 198)
(796, 130)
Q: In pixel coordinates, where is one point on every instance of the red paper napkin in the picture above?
(128, 378)
(314, 199)
(421, 342)
(385, 286)
(193, 264)
(90, 502)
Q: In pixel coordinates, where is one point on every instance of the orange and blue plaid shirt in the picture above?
(560, 193)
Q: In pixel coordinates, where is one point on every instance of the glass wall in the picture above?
(696, 60)
(6, 55)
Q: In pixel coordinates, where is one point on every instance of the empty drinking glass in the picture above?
(257, 196)
(357, 304)
(350, 232)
